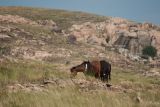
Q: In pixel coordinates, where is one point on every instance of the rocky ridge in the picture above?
(116, 32)
(120, 33)
(56, 44)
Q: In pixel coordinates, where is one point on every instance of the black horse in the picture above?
(105, 72)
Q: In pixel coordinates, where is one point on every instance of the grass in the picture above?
(67, 97)
(29, 71)
(64, 18)
(70, 96)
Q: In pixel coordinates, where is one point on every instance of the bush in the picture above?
(150, 51)
(4, 50)
(72, 39)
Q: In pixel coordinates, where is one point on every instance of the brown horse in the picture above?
(79, 68)
(100, 69)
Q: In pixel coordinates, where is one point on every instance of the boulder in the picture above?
(4, 36)
(56, 29)
(49, 23)
(72, 39)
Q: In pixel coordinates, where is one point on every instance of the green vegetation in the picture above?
(24, 72)
(150, 51)
(4, 50)
(135, 85)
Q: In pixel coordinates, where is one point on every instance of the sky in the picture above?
(136, 10)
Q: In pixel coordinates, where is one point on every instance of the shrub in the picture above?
(4, 50)
(150, 51)
(72, 39)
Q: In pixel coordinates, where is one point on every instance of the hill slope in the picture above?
(39, 46)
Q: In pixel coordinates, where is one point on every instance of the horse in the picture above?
(100, 69)
(105, 73)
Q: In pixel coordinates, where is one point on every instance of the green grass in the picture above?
(30, 71)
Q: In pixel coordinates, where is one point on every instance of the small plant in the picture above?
(4, 50)
(150, 51)
(72, 39)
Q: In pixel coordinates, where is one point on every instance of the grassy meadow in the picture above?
(139, 91)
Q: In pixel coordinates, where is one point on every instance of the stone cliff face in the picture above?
(119, 33)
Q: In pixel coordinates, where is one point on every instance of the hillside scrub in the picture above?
(150, 51)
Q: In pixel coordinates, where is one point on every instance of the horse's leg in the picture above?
(107, 77)
(101, 76)
(96, 75)
(110, 73)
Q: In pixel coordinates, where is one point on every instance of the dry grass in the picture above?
(64, 18)
(135, 86)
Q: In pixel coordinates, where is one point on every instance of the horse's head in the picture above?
(80, 68)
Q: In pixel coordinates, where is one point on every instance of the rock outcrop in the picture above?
(119, 33)
(127, 37)
(16, 19)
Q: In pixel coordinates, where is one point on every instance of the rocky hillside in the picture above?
(53, 38)
(120, 33)
(126, 36)
(39, 46)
